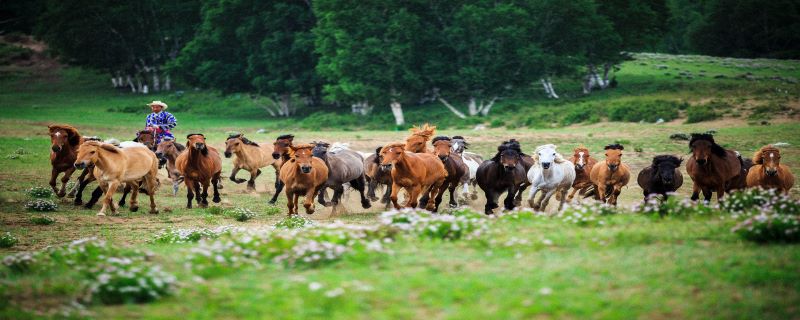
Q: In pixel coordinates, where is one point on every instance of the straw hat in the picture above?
(158, 103)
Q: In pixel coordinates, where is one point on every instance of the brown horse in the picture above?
(280, 152)
(148, 139)
(250, 156)
(200, 164)
(768, 172)
(169, 150)
(712, 168)
(417, 141)
(302, 174)
(64, 143)
(113, 166)
(375, 175)
(610, 175)
(584, 163)
(453, 163)
(414, 172)
(662, 177)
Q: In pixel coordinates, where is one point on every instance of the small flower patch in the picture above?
(7, 240)
(42, 220)
(242, 214)
(39, 192)
(41, 205)
(294, 222)
(190, 235)
(762, 199)
(674, 207)
(444, 227)
(125, 280)
(19, 262)
(769, 227)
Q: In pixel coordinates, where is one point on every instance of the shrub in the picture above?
(43, 220)
(648, 111)
(444, 227)
(40, 192)
(769, 227)
(242, 214)
(41, 205)
(294, 222)
(762, 199)
(700, 113)
(587, 113)
(125, 280)
(673, 207)
(20, 262)
(7, 240)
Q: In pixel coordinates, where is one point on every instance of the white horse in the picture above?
(473, 161)
(550, 173)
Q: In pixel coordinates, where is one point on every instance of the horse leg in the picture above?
(720, 193)
(189, 192)
(413, 196)
(53, 175)
(572, 194)
(278, 187)
(532, 196)
(601, 192)
(109, 201)
(309, 199)
(695, 192)
(151, 183)
(290, 202)
(64, 180)
(233, 178)
(511, 198)
(371, 185)
(81, 186)
(563, 192)
(518, 196)
(440, 189)
(474, 195)
(215, 187)
(359, 184)
(205, 183)
(134, 187)
(453, 197)
(546, 199)
(323, 193)
(74, 189)
(387, 196)
(251, 184)
(491, 201)
(423, 202)
(395, 190)
(125, 190)
(614, 194)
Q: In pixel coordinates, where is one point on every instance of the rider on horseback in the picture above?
(160, 122)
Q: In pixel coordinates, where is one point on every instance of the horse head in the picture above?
(302, 155)
(702, 146)
(442, 146)
(197, 141)
(419, 137)
(391, 154)
(282, 145)
(89, 153)
(167, 147)
(546, 155)
(770, 158)
(664, 168)
(320, 149)
(580, 157)
(62, 135)
(459, 144)
(233, 144)
(614, 156)
(147, 138)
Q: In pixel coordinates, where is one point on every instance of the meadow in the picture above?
(595, 263)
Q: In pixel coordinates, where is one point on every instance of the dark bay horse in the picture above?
(712, 168)
(169, 150)
(453, 163)
(280, 152)
(502, 173)
(64, 143)
(661, 177)
(344, 166)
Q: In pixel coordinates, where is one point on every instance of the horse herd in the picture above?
(422, 171)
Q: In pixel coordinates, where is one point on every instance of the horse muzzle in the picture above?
(545, 165)
(579, 166)
(386, 167)
(228, 154)
(161, 161)
(613, 167)
(276, 156)
(702, 161)
(444, 158)
(55, 148)
(771, 172)
(509, 168)
(80, 165)
(199, 146)
(305, 169)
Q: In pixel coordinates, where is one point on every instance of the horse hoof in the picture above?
(216, 199)
(134, 209)
(100, 214)
(271, 202)
(77, 202)
(453, 205)
(373, 198)
(61, 194)
(366, 204)
(154, 211)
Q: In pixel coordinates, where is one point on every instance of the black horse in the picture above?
(502, 173)
(661, 177)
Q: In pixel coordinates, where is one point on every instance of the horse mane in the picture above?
(715, 148)
(92, 138)
(512, 145)
(466, 144)
(195, 134)
(666, 158)
(143, 131)
(73, 137)
(179, 146)
(559, 158)
(296, 147)
(394, 145)
(614, 146)
(440, 138)
(244, 140)
(105, 146)
(285, 137)
(425, 131)
(757, 156)
(378, 155)
(581, 148)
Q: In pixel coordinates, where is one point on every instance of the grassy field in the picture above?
(628, 266)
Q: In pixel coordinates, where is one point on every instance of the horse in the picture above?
(712, 168)
(199, 164)
(550, 173)
(114, 166)
(375, 175)
(64, 143)
(344, 166)
(502, 173)
(456, 169)
(768, 171)
(414, 172)
(661, 177)
(84, 179)
(280, 152)
(169, 150)
(250, 156)
(527, 163)
(472, 161)
(584, 163)
(610, 175)
(302, 174)
(148, 139)
(417, 142)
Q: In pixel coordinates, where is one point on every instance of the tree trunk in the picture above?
(167, 83)
(130, 83)
(362, 108)
(452, 109)
(144, 89)
(397, 111)
(284, 102)
(156, 84)
(488, 107)
(472, 107)
(548, 88)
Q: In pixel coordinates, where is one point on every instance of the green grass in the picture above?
(632, 266)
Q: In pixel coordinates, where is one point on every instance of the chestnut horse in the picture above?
(302, 174)
(417, 142)
(453, 163)
(610, 175)
(584, 163)
(768, 172)
(280, 152)
(375, 175)
(114, 166)
(250, 156)
(502, 173)
(200, 164)
(64, 143)
(661, 177)
(712, 168)
(169, 150)
(414, 172)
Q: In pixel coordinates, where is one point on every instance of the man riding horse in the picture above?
(160, 122)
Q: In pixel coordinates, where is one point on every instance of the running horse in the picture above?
(200, 165)
(453, 163)
(250, 156)
(64, 143)
(344, 166)
(712, 168)
(417, 142)
(584, 162)
(610, 175)
(417, 173)
(768, 171)
(502, 173)
(302, 174)
(280, 152)
(169, 150)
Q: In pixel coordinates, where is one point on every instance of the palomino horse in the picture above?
(550, 173)
(768, 172)
(662, 177)
(502, 173)
(169, 150)
(280, 152)
(456, 169)
(414, 172)
(375, 175)
(472, 161)
(200, 164)
(114, 166)
(64, 143)
(250, 156)
(417, 142)
(584, 163)
(610, 175)
(302, 174)
(712, 168)
(344, 166)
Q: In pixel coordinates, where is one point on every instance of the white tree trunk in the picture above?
(114, 82)
(397, 111)
(452, 109)
(156, 84)
(488, 107)
(284, 103)
(120, 81)
(472, 107)
(548, 88)
(362, 108)
(167, 83)
(130, 83)
(144, 89)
